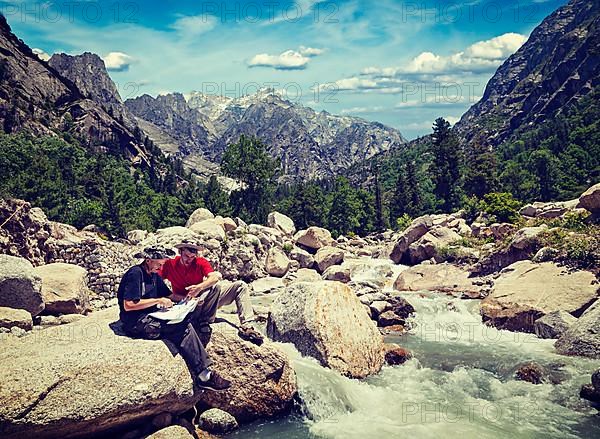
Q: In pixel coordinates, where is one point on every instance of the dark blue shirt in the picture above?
(137, 284)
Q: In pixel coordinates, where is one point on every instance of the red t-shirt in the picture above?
(181, 276)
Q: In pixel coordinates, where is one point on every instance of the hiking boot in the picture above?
(215, 382)
(250, 334)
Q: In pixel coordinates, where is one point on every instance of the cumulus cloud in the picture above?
(194, 25)
(482, 56)
(41, 54)
(117, 61)
(311, 51)
(288, 60)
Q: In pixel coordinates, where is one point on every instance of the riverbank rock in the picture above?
(263, 381)
(411, 234)
(277, 263)
(531, 372)
(217, 421)
(445, 278)
(583, 337)
(198, 215)
(314, 237)
(282, 223)
(172, 432)
(20, 287)
(267, 285)
(590, 199)
(338, 273)
(553, 324)
(64, 288)
(76, 380)
(326, 321)
(396, 354)
(304, 258)
(327, 256)
(429, 245)
(208, 229)
(11, 317)
(591, 392)
(526, 291)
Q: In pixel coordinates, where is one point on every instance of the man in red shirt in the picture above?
(191, 275)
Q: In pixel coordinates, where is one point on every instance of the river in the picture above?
(460, 384)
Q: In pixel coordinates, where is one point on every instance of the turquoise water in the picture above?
(460, 383)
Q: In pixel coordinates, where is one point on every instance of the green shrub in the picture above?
(287, 247)
(472, 207)
(403, 222)
(502, 206)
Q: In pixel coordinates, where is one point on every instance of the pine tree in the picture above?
(249, 162)
(401, 198)
(215, 198)
(480, 174)
(380, 223)
(446, 168)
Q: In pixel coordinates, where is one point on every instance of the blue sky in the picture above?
(402, 63)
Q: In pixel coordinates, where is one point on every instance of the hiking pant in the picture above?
(183, 335)
(240, 293)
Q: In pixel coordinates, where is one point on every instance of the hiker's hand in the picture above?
(193, 291)
(165, 302)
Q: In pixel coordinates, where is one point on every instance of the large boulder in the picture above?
(429, 245)
(526, 291)
(64, 288)
(553, 324)
(304, 258)
(411, 234)
(208, 229)
(114, 380)
(171, 432)
(582, 337)
(217, 421)
(326, 321)
(20, 287)
(170, 237)
(527, 238)
(86, 377)
(11, 317)
(590, 199)
(266, 285)
(446, 278)
(313, 237)
(24, 230)
(328, 256)
(263, 381)
(277, 263)
(198, 215)
(281, 222)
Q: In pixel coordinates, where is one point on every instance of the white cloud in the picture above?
(311, 51)
(497, 48)
(479, 57)
(288, 60)
(117, 61)
(41, 54)
(353, 83)
(194, 25)
(362, 110)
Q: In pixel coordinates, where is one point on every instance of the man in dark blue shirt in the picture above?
(141, 292)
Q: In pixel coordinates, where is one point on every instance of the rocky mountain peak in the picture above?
(559, 63)
(36, 97)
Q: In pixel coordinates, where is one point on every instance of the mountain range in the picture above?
(556, 67)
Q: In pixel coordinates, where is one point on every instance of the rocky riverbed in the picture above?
(493, 316)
